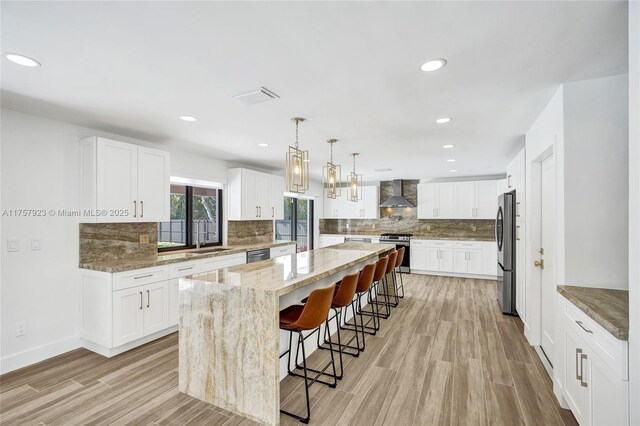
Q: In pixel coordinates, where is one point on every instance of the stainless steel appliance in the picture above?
(356, 240)
(400, 240)
(506, 241)
(258, 255)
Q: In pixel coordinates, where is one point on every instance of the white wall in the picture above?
(40, 170)
(596, 196)
(634, 209)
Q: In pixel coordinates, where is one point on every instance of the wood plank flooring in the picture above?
(446, 356)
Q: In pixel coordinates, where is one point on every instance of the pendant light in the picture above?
(332, 175)
(355, 182)
(297, 166)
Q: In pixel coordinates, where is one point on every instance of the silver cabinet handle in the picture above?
(135, 208)
(518, 232)
(509, 181)
(578, 375)
(140, 300)
(260, 210)
(273, 211)
(141, 208)
(185, 269)
(143, 276)
(583, 383)
(256, 211)
(583, 327)
(148, 298)
(517, 208)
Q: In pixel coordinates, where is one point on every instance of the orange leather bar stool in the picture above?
(378, 276)
(299, 318)
(391, 266)
(342, 299)
(365, 282)
(398, 272)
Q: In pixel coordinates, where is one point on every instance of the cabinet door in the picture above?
(475, 262)
(460, 260)
(128, 315)
(419, 258)
(356, 210)
(329, 207)
(277, 197)
(446, 260)
(486, 200)
(446, 201)
(371, 203)
(427, 195)
(156, 309)
(609, 394)
(153, 185)
(576, 391)
(117, 180)
(249, 182)
(465, 197)
(432, 259)
(521, 270)
(263, 196)
(343, 206)
(490, 258)
(174, 301)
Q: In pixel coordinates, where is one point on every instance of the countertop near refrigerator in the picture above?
(466, 237)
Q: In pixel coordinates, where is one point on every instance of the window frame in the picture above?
(189, 243)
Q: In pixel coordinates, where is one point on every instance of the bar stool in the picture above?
(299, 318)
(365, 280)
(391, 266)
(398, 271)
(378, 276)
(342, 298)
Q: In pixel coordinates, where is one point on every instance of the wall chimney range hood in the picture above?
(397, 200)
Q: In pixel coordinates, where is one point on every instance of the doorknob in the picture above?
(539, 263)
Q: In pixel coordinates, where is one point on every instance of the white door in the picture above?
(427, 200)
(128, 315)
(156, 309)
(475, 262)
(117, 176)
(263, 195)
(277, 197)
(249, 198)
(446, 260)
(446, 200)
(460, 260)
(486, 201)
(174, 301)
(432, 259)
(548, 232)
(153, 185)
(465, 195)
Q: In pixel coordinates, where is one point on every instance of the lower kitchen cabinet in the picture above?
(463, 258)
(140, 311)
(595, 370)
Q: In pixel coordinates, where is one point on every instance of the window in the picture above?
(196, 215)
(297, 224)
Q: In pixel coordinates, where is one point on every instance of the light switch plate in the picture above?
(13, 245)
(144, 239)
(36, 245)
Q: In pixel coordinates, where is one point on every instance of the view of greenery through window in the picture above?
(297, 222)
(204, 217)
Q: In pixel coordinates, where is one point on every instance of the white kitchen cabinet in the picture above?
(463, 258)
(468, 261)
(516, 180)
(123, 182)
(594, 370)
(418, 258)
(254, 195)
(341, 208)
(489, 258)
(282, 251)
(218, 262)
(465, 200)
(476, 200)
(460, 261)
(436, 200)
(128, 318)
(156, 309)
(329, 240)
(521, 269)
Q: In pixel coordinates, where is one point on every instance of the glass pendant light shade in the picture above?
(297, 166)
(355, 183)
(332, 176)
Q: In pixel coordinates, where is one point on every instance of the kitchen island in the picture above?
(229, 336)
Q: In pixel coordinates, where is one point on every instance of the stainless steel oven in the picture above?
(400, 240)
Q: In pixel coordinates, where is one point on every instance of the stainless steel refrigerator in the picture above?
(506, 241)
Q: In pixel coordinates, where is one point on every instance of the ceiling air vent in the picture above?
(256, 96)
(382, 170)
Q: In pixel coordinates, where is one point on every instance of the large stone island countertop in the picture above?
(607, 307)
(166, 258)
(285, 274)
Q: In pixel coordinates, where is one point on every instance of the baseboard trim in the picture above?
(110, 352)
(454, 275)
(38, 354)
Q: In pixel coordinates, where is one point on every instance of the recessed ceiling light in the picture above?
(263, 145)
(187, 118)
(443, 120)
(447, 146)
(433, 65)
(22, 60)
(453, 170)
(451, 160)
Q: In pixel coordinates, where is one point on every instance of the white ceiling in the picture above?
(350, 68)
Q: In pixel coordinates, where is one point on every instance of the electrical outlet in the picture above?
(144, 239)
(475, 228)
(428, 227)
(21, 328)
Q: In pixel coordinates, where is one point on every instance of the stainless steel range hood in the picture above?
(397, 200)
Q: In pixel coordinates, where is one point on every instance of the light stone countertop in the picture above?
(607, 307)
(285, 274)
(415, 237)
(166, 258)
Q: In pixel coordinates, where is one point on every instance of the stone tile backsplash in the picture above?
(112, 241)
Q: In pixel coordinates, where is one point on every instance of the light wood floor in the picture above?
(446, 356)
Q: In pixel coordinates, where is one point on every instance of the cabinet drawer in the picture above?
(218, 262)
(612, 351)
(468, 245)
(282, 251)
(440, 244)
(122, 280)
(178, 270)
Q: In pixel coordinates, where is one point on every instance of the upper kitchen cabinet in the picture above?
(476, 200)
(121, 182)
(516, 178)
(255, 195)
(436, 200)
(341, 208)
